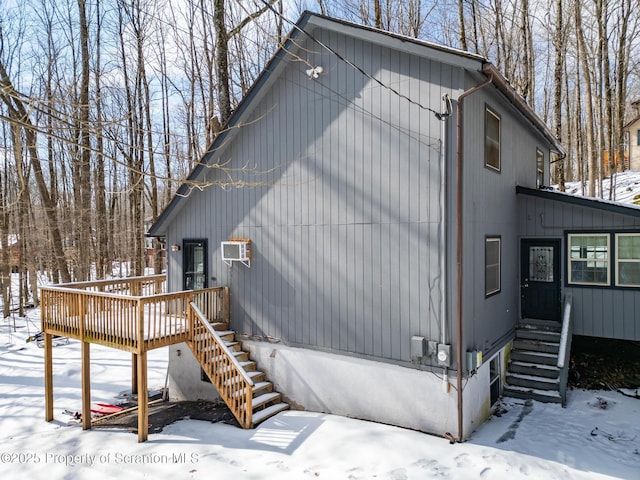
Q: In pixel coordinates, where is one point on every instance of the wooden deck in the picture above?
(131, 314)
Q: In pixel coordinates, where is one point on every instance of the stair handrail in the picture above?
(222, 345)
(564, 352)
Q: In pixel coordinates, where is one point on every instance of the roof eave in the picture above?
(598, 204)
(521, 105)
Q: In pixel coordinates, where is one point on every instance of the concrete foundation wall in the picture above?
(370, 390)
(185, 382)
(350, 386)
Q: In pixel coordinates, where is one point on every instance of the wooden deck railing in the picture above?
(110, 313)
(134, 286)
(221, 366)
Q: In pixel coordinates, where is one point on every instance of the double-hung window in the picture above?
(589, 259)
(628, 259)
(492, 247)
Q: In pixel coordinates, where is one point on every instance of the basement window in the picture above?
(628, 259)
(494, 379)
(492, 246)
(492, 139)
(589, 259)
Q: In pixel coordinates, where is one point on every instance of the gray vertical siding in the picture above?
(344, 226)
(598, 312)
(490, 210)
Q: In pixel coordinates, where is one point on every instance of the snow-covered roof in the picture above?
(625, 193)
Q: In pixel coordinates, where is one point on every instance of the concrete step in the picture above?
(535, 369)
(547, 396)
(536, 346)
(532, 381)
(268, 412)
(541, 358)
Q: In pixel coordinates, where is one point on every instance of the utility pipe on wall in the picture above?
(459, 219)
(444, 117)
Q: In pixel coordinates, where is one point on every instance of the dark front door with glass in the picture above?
(194, 264)
(540, 279)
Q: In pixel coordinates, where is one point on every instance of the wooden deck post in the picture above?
(86, 386)
(134, 373)
(143, 398)
(48, 377)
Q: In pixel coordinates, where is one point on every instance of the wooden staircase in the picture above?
(245, 389)
(533, 370)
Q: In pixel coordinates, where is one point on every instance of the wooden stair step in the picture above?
(549, 371)
(533, 324)
(262, 400)
(259, 388)
(268, 412)
(228, 335)
(256, 376)
(262, 387)
(536, 345)
(532, 381)
(220, 326)
(236, 346)
(547, 396)
(534, 334)
(535, 357)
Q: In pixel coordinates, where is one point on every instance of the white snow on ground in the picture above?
(596, 436)
(626, 185)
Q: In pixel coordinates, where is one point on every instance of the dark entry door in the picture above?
(194, 261)
(540, 279)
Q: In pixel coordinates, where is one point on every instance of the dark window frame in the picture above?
(489, 292)
(586, 260)
(614, 261)
(490, 113)
(539, 168)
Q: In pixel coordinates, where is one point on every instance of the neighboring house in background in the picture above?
(150, 250)
(633, 139)
(13, 252)
(398, 234)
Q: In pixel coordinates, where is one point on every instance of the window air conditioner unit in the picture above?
(236, 251)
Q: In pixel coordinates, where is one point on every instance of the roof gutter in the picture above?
(522, 106)
(459, 186)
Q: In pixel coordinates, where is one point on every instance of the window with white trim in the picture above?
(492, 139)
(589, 259)
(492, 247)
(628, 259)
